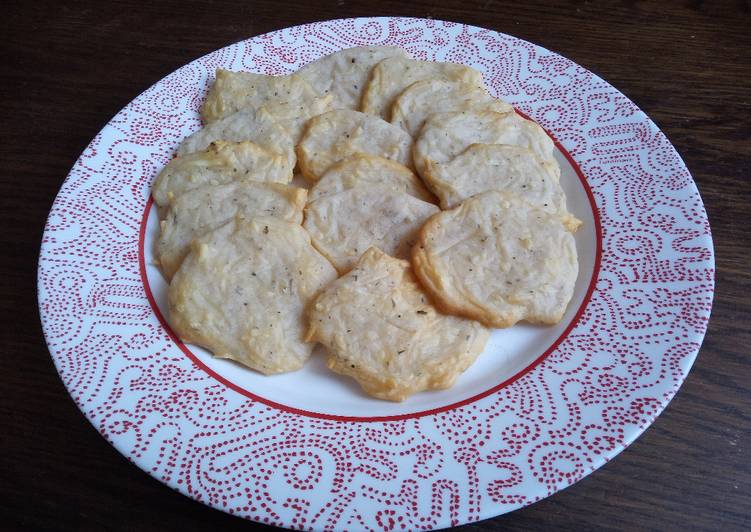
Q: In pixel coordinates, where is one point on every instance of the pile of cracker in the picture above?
(431, 212)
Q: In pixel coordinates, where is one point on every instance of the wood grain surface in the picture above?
(67, 67)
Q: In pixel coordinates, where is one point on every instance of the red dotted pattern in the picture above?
(594, 394)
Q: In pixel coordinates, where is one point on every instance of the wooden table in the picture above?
(67, 67)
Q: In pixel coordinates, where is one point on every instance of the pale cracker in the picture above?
(446, 135)
(504, 167)
(242, 291)
(345, 224)
(391, 76)
(424, 98)
(294, 116)
(255, 125)
(499, 260)
(380, 329)
(344, 74)
(204, 209)
(361, 169)
(337, 135)
(232, 91)
(222, 162)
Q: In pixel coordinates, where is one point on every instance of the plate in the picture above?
(540, 409)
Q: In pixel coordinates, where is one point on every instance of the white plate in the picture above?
(541, 408)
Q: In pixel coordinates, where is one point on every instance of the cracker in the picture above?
(380, 329)
(345, 224)
(233, 91)
(363, 169)
(344, 74)
(498, 259)
(204, 209)
(391, 76)
(446, 135)
(504, 167)
(242, 290)
(337, 135)
(221, 163)
(255, 125)
(424, 98)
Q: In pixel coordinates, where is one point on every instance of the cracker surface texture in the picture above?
(242, 291)
(223, 162)
(392, 76)
(294, 116)
(424, 98)
(498, 259)
(345, 224)
(232, 91)
(379, 328)
(204, 209)
(337, 135)
(446, 135)
(503, 167)
(361, 169)
(344, 74)
(255, 125)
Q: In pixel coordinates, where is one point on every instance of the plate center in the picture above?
(317, 391)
